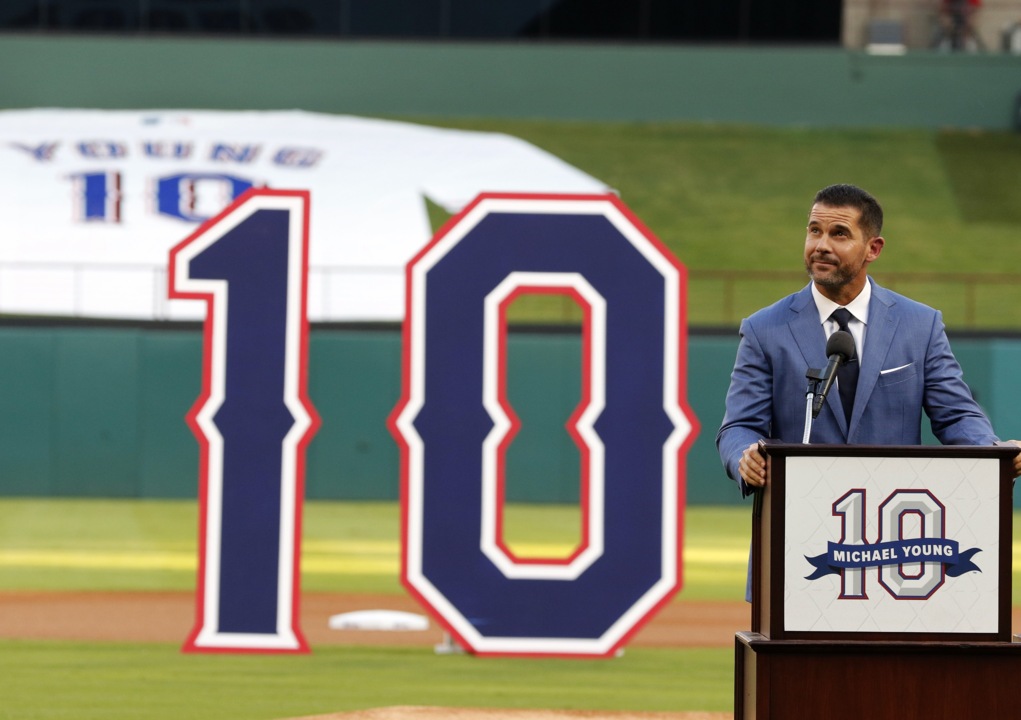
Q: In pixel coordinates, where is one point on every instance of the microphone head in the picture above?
(840, 343)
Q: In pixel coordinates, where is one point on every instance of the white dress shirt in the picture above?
(859, 309)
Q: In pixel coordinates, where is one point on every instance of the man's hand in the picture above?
(753, 466)
(1017, 458)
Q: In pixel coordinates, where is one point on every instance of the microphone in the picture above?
(839, 349)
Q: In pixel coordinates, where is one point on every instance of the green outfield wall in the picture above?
(581, 81)
(99, 411)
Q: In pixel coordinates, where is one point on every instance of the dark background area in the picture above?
(731, 21)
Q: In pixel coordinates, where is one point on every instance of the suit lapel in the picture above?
(879, 335)
(810, 337)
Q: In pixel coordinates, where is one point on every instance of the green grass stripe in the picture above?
(356, 558)
(113, 681)
(347, 547)
(65, 544)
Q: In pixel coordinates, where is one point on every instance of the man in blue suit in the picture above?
(906, 365)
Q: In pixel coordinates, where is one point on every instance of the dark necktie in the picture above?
(847, 373)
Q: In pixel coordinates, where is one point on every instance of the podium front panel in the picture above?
(885, 543)
(941, 510)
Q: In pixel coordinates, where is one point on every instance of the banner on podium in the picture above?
(887, 544)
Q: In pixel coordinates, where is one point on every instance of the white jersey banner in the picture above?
(94, 200)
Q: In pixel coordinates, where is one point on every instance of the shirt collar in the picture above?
(859, 307)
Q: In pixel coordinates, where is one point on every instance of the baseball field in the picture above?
(96, 598)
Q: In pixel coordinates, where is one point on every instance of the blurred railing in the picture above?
(967, 300)
(716, 298)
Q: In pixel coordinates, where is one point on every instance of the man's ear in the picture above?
(875, 246)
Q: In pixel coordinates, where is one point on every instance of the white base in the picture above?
(388, 620)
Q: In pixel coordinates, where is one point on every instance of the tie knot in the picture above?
(842, 316)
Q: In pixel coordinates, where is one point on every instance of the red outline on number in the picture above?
(682, 404)
(862, 493)
(203, 442)
(572, 422)
(900, 567)
(900, 534)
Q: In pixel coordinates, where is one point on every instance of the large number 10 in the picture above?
(906, 581)
(454, 423)
(253, 420)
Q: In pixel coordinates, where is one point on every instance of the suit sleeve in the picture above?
(748, 415)
(955, 417)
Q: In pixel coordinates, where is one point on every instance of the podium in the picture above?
(881, 585)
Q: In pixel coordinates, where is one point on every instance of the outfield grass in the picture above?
(736, 198)
(107, 681)
(347, 547)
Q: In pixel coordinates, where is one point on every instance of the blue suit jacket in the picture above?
(906, 367)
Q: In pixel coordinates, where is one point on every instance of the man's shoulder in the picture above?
(780, 311)
(900, 303)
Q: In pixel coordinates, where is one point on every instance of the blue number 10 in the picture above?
(253, 420)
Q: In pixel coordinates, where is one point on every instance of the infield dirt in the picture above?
(169, 616)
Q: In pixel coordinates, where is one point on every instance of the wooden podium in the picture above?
(881, 585)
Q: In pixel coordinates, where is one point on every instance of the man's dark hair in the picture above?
(871, 220)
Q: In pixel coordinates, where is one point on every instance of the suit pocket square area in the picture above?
(896, 369)
(892, 376)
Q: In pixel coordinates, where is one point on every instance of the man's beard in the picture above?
(840, 276)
